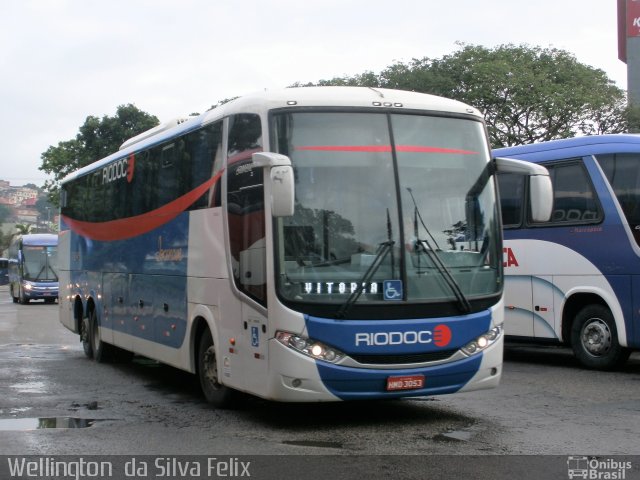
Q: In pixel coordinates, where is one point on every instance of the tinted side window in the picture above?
(623, 172)
(511, 187)
(245, 207)
(202, 157)
(574, 198)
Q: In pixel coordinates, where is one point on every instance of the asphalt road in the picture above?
(546, 405)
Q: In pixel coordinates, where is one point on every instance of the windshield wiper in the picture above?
(383, 250)
(465, 306)
(451, 282)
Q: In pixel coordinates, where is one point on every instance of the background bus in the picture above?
(576, 278)
(33, 270)
(379, 277)
(4, 271)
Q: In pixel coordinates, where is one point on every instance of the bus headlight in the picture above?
(27, 286)
(310, 347)
(483, 341)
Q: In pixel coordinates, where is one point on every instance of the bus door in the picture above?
(543, 311)
(518, 306)
(247, 244)
(529, 308)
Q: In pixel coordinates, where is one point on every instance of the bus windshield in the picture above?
(399, 207)
(39, 263)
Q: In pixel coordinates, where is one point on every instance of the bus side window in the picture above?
(511, 188)
(623, 172)
(574, 198)
(245, 207)
(202, 159)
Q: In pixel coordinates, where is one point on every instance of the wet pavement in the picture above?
(56, 401)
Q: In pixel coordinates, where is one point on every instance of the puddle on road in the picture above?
(26, 424)
(312, 443)
(30, 387)
(455, 436)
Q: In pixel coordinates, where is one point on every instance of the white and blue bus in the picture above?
(308, 244)
(575, 279)
(32, 268)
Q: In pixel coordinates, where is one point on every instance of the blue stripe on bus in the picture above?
(342, 334)
(359, 384)
(154, 288)
(364, 337)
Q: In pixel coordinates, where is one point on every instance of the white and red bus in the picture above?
(307, 244)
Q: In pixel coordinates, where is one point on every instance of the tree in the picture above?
(527, 94)
(24, 228)
(97, 138)
(5, 213)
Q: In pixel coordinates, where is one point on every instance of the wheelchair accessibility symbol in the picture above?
(392, 289)
(255, 337)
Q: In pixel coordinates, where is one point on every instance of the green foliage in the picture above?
(24, 228)
(5, 213)
(527, 94)
(97, 138)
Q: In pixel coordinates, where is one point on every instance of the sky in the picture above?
(64, 60)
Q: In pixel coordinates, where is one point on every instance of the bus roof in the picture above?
(39, 239)
(572, 147)
(310, 97)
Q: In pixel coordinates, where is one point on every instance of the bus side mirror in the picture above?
(281, 181)
(540, 197)
(540, 188)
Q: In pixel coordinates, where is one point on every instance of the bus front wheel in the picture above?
(594, 339)
(23, 298)
(215, 393)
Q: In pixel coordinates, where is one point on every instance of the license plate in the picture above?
(407, 382)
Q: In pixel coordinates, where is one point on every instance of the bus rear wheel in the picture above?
(84, 337)
(102, 352)
(214, 392)
(594, 339)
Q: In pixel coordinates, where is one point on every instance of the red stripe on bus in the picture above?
(384, 148)
(129, 227)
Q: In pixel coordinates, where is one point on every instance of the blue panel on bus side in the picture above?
(154, 294)
(401, 336)
(358, 384)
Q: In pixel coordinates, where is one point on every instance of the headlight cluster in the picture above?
(483, 341)
(27, 286)
(309, 347)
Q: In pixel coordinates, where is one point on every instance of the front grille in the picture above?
(404, 359)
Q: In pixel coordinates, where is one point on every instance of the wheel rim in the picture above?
(210, 368)
(596, 337)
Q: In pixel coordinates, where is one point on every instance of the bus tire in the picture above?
(102, 352)
(23, 299)
(85, 337)
(214, 392)
(594, 339)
